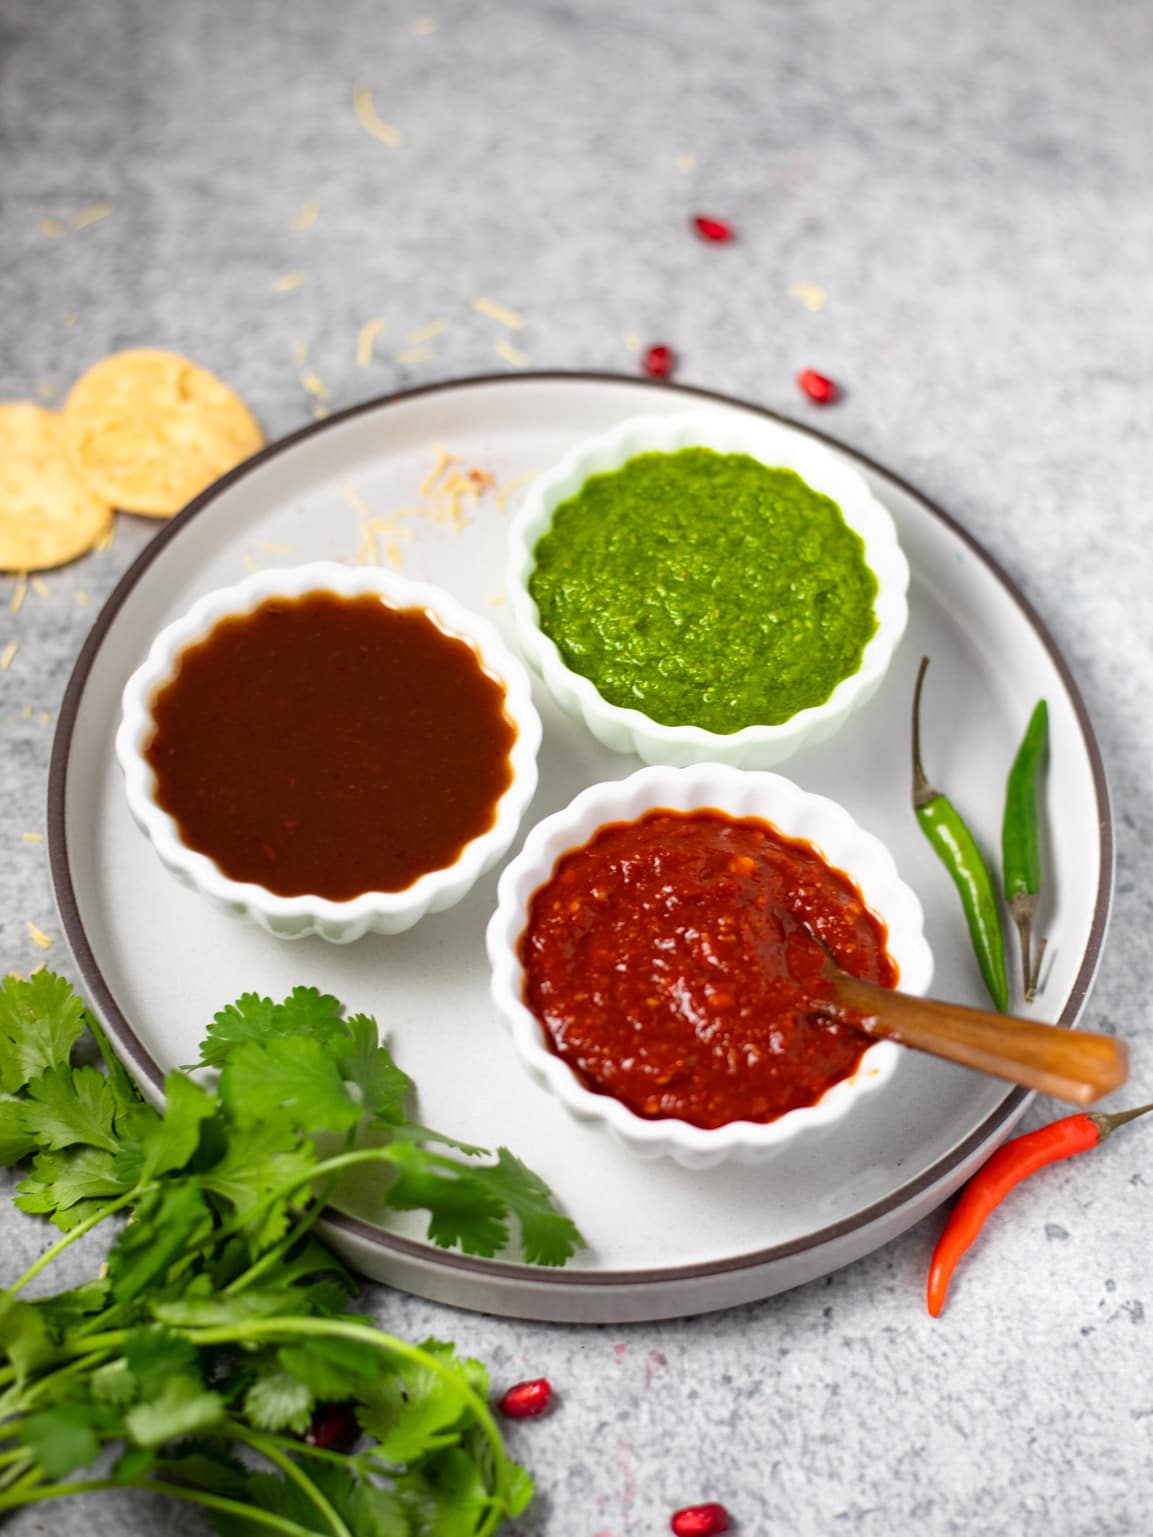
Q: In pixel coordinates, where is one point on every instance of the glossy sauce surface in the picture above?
(672, 963)
(331, 746)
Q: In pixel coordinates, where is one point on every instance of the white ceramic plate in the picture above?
(156, 962)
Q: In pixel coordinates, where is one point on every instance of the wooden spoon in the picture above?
(1068, 1064)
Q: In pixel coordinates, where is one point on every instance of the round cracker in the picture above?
(150, 430)
(49, 513)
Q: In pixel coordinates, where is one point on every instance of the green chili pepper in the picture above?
(1021, 840)
(957, 850)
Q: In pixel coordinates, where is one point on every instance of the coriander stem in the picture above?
(20, 1479)
(274, 1255)
(302, 1449)
(53, 1378)
(299, 1477)
(250, 1513)
(117, 1073)
(18, 1456)
(112, 1339)
(376, 1339)
(329, 1166)
(77, 1232)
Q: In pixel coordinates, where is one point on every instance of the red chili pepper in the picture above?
(1006, 1169)
(700, 1521)
(525, 1400)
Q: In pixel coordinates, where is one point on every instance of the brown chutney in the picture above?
(330, 746)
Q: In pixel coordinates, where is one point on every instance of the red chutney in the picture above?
(673, 965)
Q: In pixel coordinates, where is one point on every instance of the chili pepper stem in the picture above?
(1109, 1123)
(1035, 978)
(1023, 908)
(923, 791)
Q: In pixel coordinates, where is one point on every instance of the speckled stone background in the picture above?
(970, 185)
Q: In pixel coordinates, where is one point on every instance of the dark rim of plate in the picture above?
(148, 1070)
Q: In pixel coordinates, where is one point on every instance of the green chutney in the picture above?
(705, 589)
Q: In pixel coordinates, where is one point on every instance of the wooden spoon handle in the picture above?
(1068, 1064)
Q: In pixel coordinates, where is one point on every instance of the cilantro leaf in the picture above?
(290, 1077)
(182, 1407)
(280, 1401)
(313, 1259)
(306, 1011)
(67, 1105)
(59, 1182)
(462, 1209)
(250, 1018)
(153, 1354)
(276, 1495)
(193, 1312)
(260, 1159)
(378, 1512)
(547, 1236)
(169, 1222)
(450, 1493)
(204, 1465)
(158, 1144)
(61, 1438)
(24, 1335)
(16, 1141)
(331, 1368)
(414, 1411)
(133, 1463)
(114, 1384)
(41, 1019)
(521, 1489)
(384, 1089)
(67, 1309)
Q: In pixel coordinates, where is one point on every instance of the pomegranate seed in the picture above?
(700, 1521)
(715, 230)
(334, 1427)
(659, 362)
(817, 387)
(525, 1400)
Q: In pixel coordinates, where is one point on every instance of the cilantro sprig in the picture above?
(219, 1322)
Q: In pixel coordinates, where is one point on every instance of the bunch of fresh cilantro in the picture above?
(196, 1361)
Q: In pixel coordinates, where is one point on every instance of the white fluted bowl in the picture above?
(628, 730)
(739, 793)
(382, 912)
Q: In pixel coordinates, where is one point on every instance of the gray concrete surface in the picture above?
(970, 186)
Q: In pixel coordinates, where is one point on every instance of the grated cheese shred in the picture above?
(366, 340)
(511, 354)
(499, 312)
(91, 215)
(426, 333)
(370, 119)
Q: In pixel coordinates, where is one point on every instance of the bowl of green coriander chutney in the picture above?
(707, 587)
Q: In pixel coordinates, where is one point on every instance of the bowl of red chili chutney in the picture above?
(329, 750)
(658, 952)
(707, 587)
